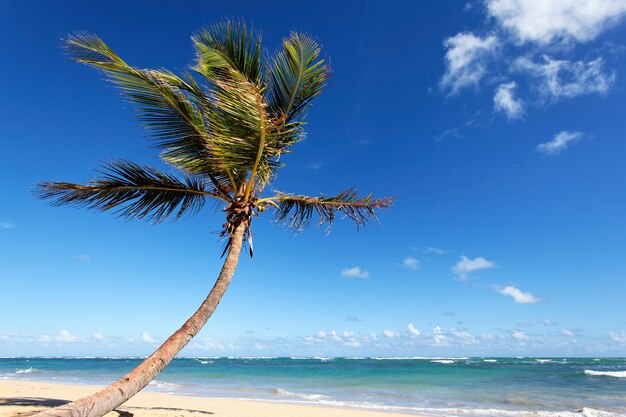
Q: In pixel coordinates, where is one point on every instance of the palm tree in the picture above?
(226, 137)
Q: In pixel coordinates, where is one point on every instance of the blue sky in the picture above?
(497, 124)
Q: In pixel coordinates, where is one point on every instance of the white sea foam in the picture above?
(490, 360)
(168, 386)
(308, 397)
(616, 374)
(26, 371)
(444, 361)
(543, 360)
(205, 362)
(323, 359)
(421, 358)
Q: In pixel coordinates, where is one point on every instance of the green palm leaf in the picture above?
(133, 191)
(176, 124)
(297, 75)
(296, 211)
(229, 44)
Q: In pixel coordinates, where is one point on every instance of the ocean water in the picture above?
(507, 387)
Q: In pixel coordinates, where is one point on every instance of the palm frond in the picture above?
(229, 44)
(174, 121)
(298, 74)
(296, 211)
(133, 191)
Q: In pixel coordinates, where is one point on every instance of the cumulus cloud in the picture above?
(505, 101)
(465, 60)
(535, 41)
(412, 330)
(145, 336)
(390, 333)
(355, 272)
(548, 21)
(438, 336)
(465, 265)
(518, 335)
(518, 295)
(619, 337)
(65, 336)
(559, 143)
(411, 263)
(98, 336)
(566, 79)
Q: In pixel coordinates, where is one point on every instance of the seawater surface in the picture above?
(507, 387)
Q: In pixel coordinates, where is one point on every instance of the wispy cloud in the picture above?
(6, 225)
(518, 295)
(465, 60)
(435, 251)
(411, 263)
(466, 265)
(568, 332)
(355, 272)
(566, 79)
(559, 143)
(505, 101)
(82, 258)
(619, 337)
(98, 336)
(519, 335)
(145, 336)
(350, 317)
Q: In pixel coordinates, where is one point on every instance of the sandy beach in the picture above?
(23, 398)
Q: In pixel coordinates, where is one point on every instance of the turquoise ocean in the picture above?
(507, 387)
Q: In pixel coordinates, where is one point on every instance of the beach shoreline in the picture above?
(23, 398)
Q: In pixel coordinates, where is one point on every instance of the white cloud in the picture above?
(355, 272)
(411, 263)
(619, 337)
(518, 295)
(559, 143)
(464, 337)
(519, 335)
(98, 336)
(145, 336)
(504, 101)
(465, 60)
(5, 225)
(567, 79)
(568, 332)
(44, 338)
(465, 265)
(435, 251)
(547, 21)
(390, 333)
(547, 322)
(65, 336)
(438, 336)
(412, 330)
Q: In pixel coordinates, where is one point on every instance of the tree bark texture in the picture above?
(107, 399)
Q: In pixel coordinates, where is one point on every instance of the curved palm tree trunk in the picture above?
(107, 399)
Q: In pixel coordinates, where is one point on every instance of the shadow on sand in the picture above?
(50, 402)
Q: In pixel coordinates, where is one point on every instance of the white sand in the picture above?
(23, 398)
